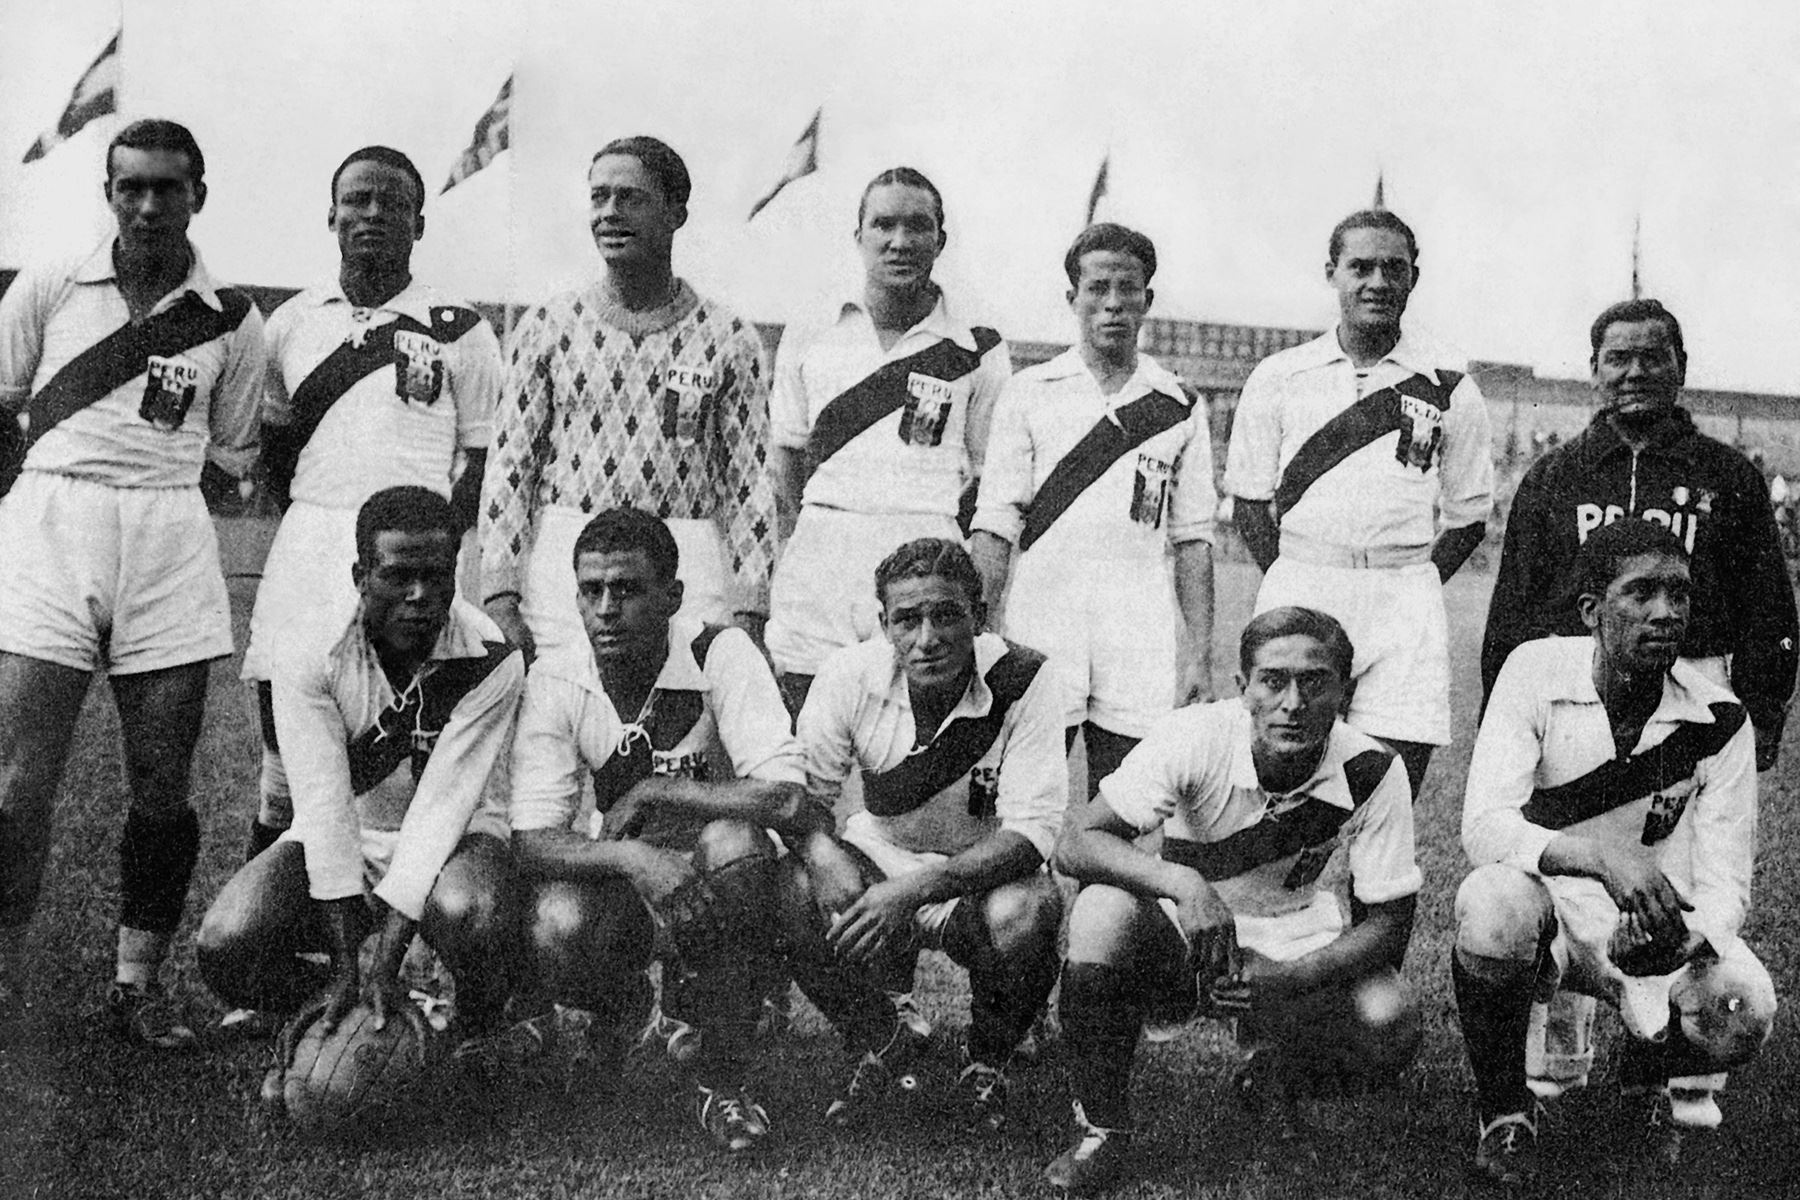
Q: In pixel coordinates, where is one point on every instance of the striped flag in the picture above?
(492, 135)
(95, 95)
(1099, 188)
(802, 160)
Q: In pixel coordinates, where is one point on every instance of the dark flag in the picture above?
(1637, 285)
(1099, 187)
(1380, 193)
(492, 135)
(96, 94)
(802, 160)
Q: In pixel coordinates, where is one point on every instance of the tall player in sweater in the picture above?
(635, 392)
(375, 381)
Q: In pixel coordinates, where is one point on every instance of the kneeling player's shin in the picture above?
(1493, 1003)
(1102, 1011)
(1006, 992)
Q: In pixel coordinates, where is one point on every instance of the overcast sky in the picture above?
(1520, 139)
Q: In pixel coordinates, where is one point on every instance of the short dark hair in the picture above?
(1265, 627)
(923, 558)
(904, 177)
(1107, 236)
(1630, 312)
(408, 509)
(1372, 218)
(1608, 548)
(156, 133)
(659, 158)
(622, 530)
(387, 156)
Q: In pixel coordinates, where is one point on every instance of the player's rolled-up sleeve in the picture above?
(1253, 456)
(23, 311)
(547, 749)
(990, 383)
(1007, 480)
(1466, 474)
(744, 476)
(1195, 503)
(1724, 817)
(752, 720)
(1502, 773)
(314, 739)
(790, 419)
(827, 725)
(451, 786)
(233, 416)
(510, 486)
(1147, 786)
(1033, 788)
(1383, 856)
(277, 400)
(475, 385)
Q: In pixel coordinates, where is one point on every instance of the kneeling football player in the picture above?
(694, 765)
(1266, 805)
(957, 735)
(390, 726)
(1611, 820)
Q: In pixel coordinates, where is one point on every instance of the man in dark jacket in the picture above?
(1642, 457)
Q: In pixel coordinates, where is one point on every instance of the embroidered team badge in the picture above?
(927, 411)
(984, 791)
(692, 765)
(418, 368)
(688, 402)
(169, 388)
(1665, 811)
(1421, 433)
(1150, 490)
(1309, 864)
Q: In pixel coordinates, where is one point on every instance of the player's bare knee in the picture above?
(723, 842)
(1501, 915)
(1023, 916)
(1103, 924)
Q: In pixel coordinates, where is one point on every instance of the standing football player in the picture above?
(1349, 454)
(681, 726)
(880, 415)
(391, 720)
(1611, 822)
(375, 381)
(631, 391)
(138, 373)
(957, 736)
(1271, 809)
(1098, 466)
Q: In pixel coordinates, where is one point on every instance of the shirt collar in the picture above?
(1672, 435)
(1686, 693)
(1147, 376)
(459, 639)
(1326, 783)
(414, 300)
(1408, 353)
(681, 672)
(941, 322)
(887, 675)
(98, 268)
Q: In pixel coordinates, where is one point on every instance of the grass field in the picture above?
(82, 1117)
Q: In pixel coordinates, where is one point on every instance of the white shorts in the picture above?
(100, 576)
(307, 570)
(823, 595)
(1395, 619)
(895, 861)
(1286, 937)
(1110, 630)
(548, 604)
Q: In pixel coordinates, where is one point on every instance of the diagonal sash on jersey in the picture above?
(408, 728)
(1374, 416)
(1098, 449)
(1274, 838)
(345, 367)
(1620, 781)
(864, 403)
(123, 355)
(957, 748)
(673, 715)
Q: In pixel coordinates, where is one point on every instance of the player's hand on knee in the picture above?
(629, 814)
(658, 874)
(1210, 929)
(875, 921)
(835, 879)
(1645, 896)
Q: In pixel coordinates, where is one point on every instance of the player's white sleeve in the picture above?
(1253, 456)
(1466, 474)
(1033, 787)
(558, 718)
(1503, 771)
(1008, 482)
(277, 400)
(1724, 845)
(1196, 501)
(24, 310)
(475, 385)
(746, 703)
(827, 725)
(1146, 788)
(1383, 859)
(237, 396)
(790, 419)
(314, 741)
(451, 786)
(989, 384)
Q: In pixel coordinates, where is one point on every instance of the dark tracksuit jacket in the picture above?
(1709, 496)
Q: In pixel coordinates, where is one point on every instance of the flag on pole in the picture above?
(492, 135)
(802, 160)
(1380, 193)
(1637, 287)
(96, 94)
(1099, 188)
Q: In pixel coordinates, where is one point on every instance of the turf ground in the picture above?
(81, 1116)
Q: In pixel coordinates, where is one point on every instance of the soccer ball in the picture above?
(354, 1079)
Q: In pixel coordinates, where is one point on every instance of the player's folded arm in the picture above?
(1502, 773)
(1724, 855)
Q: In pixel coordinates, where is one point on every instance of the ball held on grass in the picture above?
(354, 1079)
